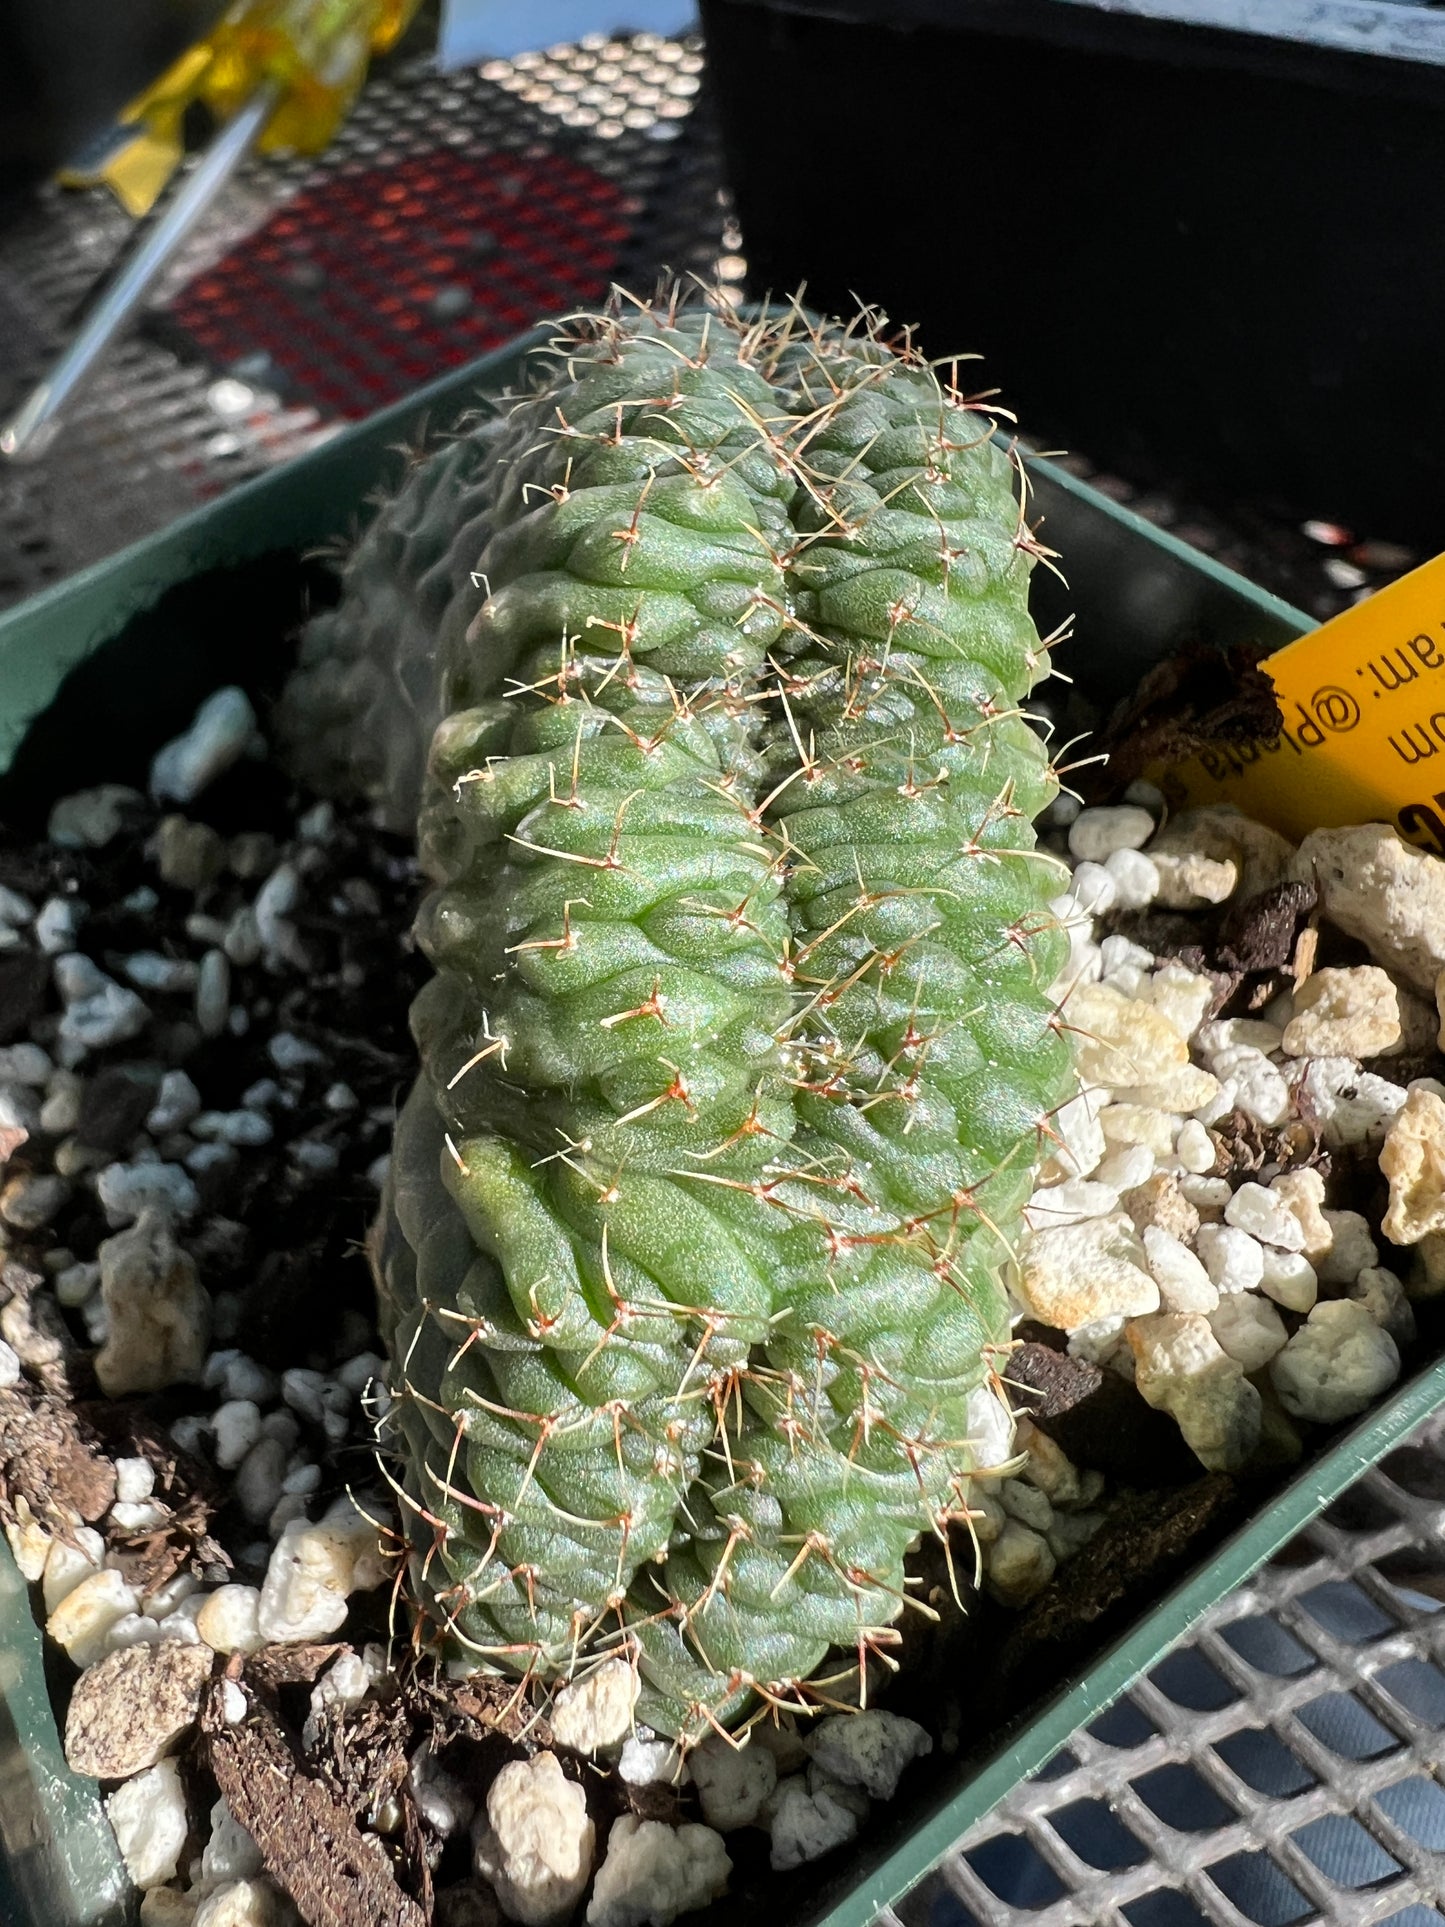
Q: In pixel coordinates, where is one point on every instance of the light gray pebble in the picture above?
(261, 1095)
(240, 1128)
(240, 1377)
(203, 929)
(112, 1015)
(78, 977)
(287, 1509)
(32, 1325)
(313, 1394)
(72, 1159)
(258, 1480)
(1136, 879)
(237, 1426)
(1147, 795)
(57, 927)
(1205, 1193)
(291, 1053)
(141, 902)
(1383, 1297)
(9, 1364)
(357, 1373)
(29, 1203)
(1095, 834)
(242, 939)
(281, 1425)
(218, 737)
(77, 1283)
(14, 908)
(1249, 1082)
(148, 970)
(277, 898)
(89, 819)
(317, 823)
(1336, 1362)
(340, 1097)
(1116, 951)
(95, 1315)
(213, 993)
(1091, 892)
(125, 1190)
(239, 1020)
(1266, 1216)
(61, 1110)
(190, 1432)
(25, 1064)
(301, 1480)
(1351, 1105)
(1352, 1248)
(1232, 1257)
(20, 1108)
(379, 1170)
(301, 1389)
(315, 1156)
(1025, 1502)
(206, 1158)
(177, 1102)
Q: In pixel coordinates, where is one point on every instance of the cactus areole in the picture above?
(739, 1056)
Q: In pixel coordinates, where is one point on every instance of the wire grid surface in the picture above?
(598, 150)
(1280, 1766)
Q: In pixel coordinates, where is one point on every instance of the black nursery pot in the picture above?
(1202, 255)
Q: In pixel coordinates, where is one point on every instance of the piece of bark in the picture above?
(275, 1666)
(311, 1845)
(53, 1460)
(1260, 933)
(1200, 698)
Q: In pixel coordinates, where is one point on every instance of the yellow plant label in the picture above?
(1363, 699)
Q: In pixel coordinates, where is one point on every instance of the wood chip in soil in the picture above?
(53, 1460)
(1202, 698)
(311, 1844)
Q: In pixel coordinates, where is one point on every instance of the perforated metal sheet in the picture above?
(1282, 1765)
(452, 211)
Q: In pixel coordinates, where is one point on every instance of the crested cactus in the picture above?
(739, 1057)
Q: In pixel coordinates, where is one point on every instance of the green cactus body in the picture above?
(739, 1056)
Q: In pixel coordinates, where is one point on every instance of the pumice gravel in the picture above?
(203, 989)
(172, 1198)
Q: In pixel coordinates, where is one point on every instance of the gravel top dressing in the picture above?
(1235, 1242)
(204, 1046)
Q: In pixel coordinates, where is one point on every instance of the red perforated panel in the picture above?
(370, 282)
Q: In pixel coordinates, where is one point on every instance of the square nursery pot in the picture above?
(1201, 231)
(97, 672)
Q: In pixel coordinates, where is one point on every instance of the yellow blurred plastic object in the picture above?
(317, 49)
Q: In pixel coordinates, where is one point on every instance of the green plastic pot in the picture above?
(1137, 594)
